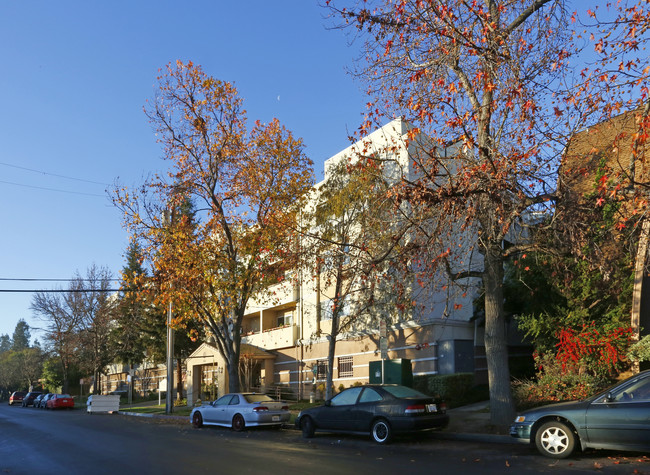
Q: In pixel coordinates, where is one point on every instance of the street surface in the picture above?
(34, 441)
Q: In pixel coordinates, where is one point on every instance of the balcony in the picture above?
(277, 295)
(279, 337)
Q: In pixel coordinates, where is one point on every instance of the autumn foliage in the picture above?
(217, 230)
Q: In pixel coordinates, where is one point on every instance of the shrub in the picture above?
(640, 351)
(600, 353)
(555, 383)
(180, 402)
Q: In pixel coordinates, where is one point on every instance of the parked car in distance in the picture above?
(615, 419)
(240, 410)
(43, 402)
(38, 399)
(378, 409)
(60, 401)
(28, 400)
(16, 397)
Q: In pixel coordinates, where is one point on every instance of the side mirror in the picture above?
(328, 403)
(609, 398)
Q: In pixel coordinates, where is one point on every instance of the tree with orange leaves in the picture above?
(483, 76)
(244, 186)
(615, 78)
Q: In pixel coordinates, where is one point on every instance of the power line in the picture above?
(12, 279)
(52, 189)
(60, 291)
(53, 174)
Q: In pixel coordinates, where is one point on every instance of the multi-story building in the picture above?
(285, 339)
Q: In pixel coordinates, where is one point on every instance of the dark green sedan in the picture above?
(616, 419)
(378, 409)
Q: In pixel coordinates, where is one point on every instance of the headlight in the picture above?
(520, 418)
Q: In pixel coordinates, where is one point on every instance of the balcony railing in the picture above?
(278, 294)
(272, 338)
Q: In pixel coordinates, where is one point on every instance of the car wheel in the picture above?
(380, 431)
(555, 439)
(197, 420)
(307, 426)
(238, 423)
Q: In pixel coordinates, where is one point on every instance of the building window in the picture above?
(285, 318)
(345, 367)
(321, 369)
(327, 308)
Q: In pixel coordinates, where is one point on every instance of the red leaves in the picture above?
(592, 349)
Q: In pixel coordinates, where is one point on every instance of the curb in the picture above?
(459, 436)
(154, 416)
(473, 437)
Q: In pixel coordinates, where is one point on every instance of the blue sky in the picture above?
(74, 76)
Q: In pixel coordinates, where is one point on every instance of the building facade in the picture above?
(285, 338)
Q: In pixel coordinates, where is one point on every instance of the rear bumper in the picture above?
(267, 418)
(419, 423)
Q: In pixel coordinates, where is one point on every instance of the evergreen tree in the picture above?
(5, 343)
(20, 340)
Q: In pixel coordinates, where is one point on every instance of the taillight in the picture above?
(260, 409)
(285, 408)
(442, 407)
(415, 409)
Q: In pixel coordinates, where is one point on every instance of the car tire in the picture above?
(307, 426)
(238, 423)
(381, 431)
(197, 420)
(555, 440)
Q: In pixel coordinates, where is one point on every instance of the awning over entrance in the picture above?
(207, 374)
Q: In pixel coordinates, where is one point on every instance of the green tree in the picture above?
(129, 332)
(52, 374)
(350, 248)
(21, 336)
(5, 343)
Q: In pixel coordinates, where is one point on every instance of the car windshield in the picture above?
(63, 395)
(403, 391)
(257, 398)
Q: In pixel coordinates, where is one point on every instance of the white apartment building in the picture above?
(285, 342)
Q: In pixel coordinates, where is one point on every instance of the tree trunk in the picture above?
(179, 380)
(233, 378)
(331, 349)
(502, 409)
(66, 383)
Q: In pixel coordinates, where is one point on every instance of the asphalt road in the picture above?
(34, 441)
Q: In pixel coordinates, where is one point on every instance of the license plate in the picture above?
(431, 408)
(276, 418)
(65, 400)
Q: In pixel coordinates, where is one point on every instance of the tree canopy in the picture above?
(245, 185)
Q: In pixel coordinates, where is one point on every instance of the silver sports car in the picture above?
(240, 410)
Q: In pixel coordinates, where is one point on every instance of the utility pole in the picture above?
(168, 219)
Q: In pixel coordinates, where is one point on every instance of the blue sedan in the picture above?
(616, 419)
